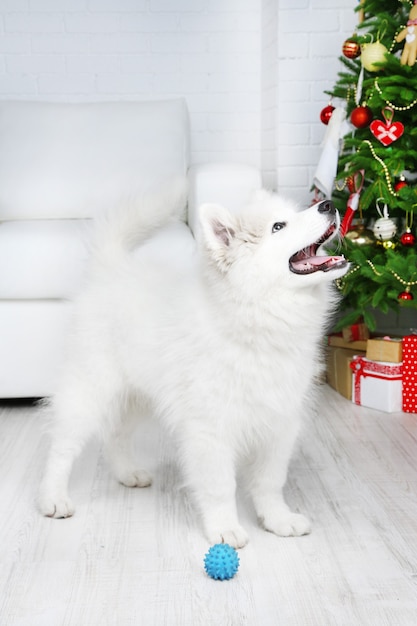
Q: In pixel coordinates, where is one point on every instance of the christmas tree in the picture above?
(373, 111)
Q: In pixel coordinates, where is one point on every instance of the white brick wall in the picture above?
(310, 36)
(206, 50)
(253, 71)
(269, 91)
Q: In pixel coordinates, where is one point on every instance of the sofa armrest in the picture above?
(71, 160)
(229, 184)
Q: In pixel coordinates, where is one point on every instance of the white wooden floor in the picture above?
(136, 556)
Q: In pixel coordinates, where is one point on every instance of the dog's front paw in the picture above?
(287, 524)
(56, 507)
(236, 537)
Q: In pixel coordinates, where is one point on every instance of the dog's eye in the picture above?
(278, 226)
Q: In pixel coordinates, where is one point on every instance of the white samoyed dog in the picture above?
(223, 347)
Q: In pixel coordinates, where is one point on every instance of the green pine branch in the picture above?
(379, 274)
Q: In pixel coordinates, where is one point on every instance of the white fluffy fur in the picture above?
(224, 351)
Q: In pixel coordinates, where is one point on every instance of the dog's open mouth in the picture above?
(307, 261)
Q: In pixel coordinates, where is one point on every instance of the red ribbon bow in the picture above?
(358, 367)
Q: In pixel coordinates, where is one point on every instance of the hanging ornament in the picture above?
(351, 48)
(361, 116)
(373, 54)
(401, 183)
(326, 113)
(384, 228)
(387, 244)
(353, 202)
(387, 132)
(406, 295)
(407, 238)
(409, 33)
(359, 235)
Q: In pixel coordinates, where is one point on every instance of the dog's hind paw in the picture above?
(288, 525)
(236, 537)
(137, 478)
(58, 508)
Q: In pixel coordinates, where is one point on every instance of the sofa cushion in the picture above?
(60, 160)
(33, 338)
(229, 184)
(46, 259)
(42, 258)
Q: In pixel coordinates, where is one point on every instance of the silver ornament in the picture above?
(384, 228)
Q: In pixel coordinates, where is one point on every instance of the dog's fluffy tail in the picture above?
(120, 229)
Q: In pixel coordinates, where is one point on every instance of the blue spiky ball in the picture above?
(221, 561)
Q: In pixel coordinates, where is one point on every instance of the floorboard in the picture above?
(135, 557)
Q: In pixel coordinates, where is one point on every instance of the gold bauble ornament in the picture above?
(360, 236)
(388, 245)
(373, 53)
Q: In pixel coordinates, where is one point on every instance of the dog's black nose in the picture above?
(326, 206)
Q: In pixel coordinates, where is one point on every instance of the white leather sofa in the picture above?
(60, 164)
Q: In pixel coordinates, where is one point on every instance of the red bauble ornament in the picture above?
(407, 238)
(326, 114)
(361, 116)
(405, 295)
(401, 183)
(351, 49)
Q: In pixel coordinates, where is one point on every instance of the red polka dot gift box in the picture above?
(410, 374)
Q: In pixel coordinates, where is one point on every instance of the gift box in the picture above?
(410, 374)
(377, 384)
(338, 372)
(355, 332)
(385, 349)
(338, 341)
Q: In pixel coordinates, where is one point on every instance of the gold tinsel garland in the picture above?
(408, 284)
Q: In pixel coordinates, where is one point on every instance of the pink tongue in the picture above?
(315, 261)
(319, 260)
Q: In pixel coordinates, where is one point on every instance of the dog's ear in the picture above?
(217, 234)
(218, 226)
